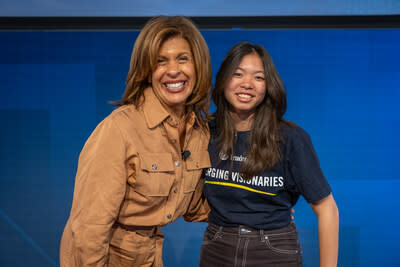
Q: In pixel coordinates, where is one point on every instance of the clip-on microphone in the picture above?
(185, 154)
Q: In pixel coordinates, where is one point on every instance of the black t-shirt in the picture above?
(263, 202)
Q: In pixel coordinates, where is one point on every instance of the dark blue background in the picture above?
(343, 87)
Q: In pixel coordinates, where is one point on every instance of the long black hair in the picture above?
(265, 137)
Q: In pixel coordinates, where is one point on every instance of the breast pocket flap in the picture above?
(156, 162)
(198, 160)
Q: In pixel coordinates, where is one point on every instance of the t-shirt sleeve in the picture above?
(305, 168)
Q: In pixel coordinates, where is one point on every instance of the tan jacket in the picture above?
(131, 172)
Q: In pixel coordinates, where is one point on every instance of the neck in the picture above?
(243, 122)
(176, 112)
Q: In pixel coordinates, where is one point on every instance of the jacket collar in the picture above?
(154, 112)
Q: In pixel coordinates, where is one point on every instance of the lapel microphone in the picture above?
(185, 154)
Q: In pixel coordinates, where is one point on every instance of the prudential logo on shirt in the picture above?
(240, 158)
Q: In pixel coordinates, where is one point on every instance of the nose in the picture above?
(246, 83)
(173, 69)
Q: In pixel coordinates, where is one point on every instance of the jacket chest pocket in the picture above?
(195, 164)
(156, 174)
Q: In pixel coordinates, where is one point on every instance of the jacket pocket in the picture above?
(130, 249)
(156, 174)
(195, 164)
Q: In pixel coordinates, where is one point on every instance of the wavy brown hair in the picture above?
(265, 136)
(144, 61)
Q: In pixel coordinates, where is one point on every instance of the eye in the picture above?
(237, 74)
(183, 59)
(161, 61)
(260, 78)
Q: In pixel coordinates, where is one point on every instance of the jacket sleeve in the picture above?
(100, 187)
(198, 209)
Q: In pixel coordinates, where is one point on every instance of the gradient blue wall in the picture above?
(343, 87)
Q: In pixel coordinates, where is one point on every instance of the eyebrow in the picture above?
(180, 54)
(187, 54)
(258, 71)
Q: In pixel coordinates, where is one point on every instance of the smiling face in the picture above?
(174, 78)
(246, 89)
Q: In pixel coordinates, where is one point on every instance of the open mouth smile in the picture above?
(175, 86)
(244, 97)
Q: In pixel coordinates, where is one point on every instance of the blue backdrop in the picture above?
(343, 87)
(132, 8)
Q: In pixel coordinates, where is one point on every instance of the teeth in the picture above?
(174, 85)
(244, 96)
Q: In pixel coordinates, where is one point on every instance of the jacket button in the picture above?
(177, 163)
(169, 216)
(175, 190)
(154, 166)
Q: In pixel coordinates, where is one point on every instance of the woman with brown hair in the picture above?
(140, 169)
(260, 165)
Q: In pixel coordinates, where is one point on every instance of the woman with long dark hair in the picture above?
(260, 165)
